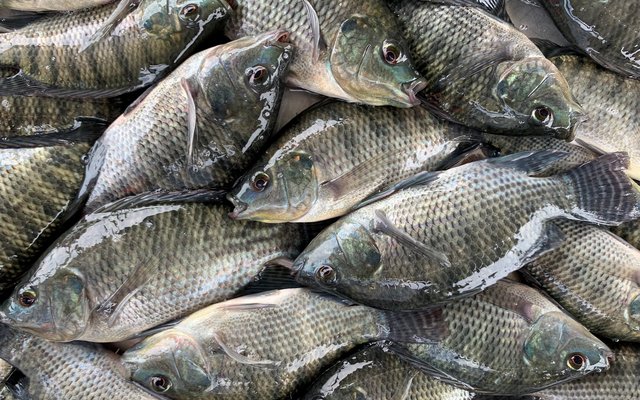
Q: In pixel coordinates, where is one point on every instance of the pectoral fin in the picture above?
(124, 8)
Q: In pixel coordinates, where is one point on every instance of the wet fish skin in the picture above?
(136, 265)
(607, 31)
(483, 73)
(630, 232)
(347, 59)
(376, 374)
(364, 150)
(49, 5)
(148, 147)
(413, 248)
(143, 48)
(23, 116)
(71, 371)
(613, 122)
(258, 347)
(509, 339)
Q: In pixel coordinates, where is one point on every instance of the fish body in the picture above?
(335, 155)
(509, 339)
(450, 234)
(198, 128)
(596, 277)
(256, 347)
(483, 73)
(377, 374)
(609, 32)
(630, 232)
(145, 262)
(610, 102)
(349, 50)
(59, 371)
(51, 5)
(144, 47)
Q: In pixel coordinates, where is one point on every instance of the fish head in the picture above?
(560, 348)
(282, 190)
(171, 363)
(241, 84)
(536, 94)
(341, 259)
(165, 18)
(371, 63)
(54, 308)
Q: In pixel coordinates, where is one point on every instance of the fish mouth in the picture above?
(413, 88)
(238, 207)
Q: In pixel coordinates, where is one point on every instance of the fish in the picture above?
(629, 231)
(532, 18)
(620, 382)
(199, 128)
(263, 346)
(510, 340)
(613, 123)
(607, 32)
(142, 262)
(483, 73)
(41, 178)
(52, 56)
(377, 374)
(445, 235)
(24, 115)
(595, 276)
(353, 51)
(336, 155)
(51, 5)
(69, 371)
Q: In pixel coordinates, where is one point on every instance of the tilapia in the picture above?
(595, 276)
(59, 371)
(39, 185)
(509, 339)
(350, 50)
(608, 31)
(376, 374)
(22, 115)
(611, 103)
(199, 128)
(265, 346)
(51, 5)
(334, 156)
(483, 73)
(51, 56)
(630, 232)
(449, 234)
(142, 262)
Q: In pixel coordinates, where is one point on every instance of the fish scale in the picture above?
(51, 5)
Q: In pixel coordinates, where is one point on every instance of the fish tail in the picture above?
(603, 193)
(424, 326)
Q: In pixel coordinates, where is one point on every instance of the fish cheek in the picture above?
(69, 305)
(634, 314)
(361, 254)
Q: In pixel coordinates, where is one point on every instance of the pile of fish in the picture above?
(319, 199)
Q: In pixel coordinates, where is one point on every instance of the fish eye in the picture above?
(27, 297)
(159, 383)
(326, 274)
(190, 11)
(543, 115)
(260, 181)
(257, 75)
(576, 361)
(391, 52)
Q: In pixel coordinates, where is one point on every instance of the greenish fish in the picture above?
(509, 339)
(483, 73)
(58, 371)
(608, 31)
(350, 50)
(620, 382)
(142, 262)
(611, 103)
(51, 5)
(52, 57)
(444, 235)
(630, 232)
(23, 116)
(200, 127)
(39, 185)
(376, 374)
(334, 156)
(264, 346)
(595, 276)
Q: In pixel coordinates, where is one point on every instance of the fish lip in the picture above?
(413, 88)
(239, 206)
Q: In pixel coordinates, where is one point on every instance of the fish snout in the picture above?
(239, 206)
(413, 88)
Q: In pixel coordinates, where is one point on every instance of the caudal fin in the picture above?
(603, 192)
